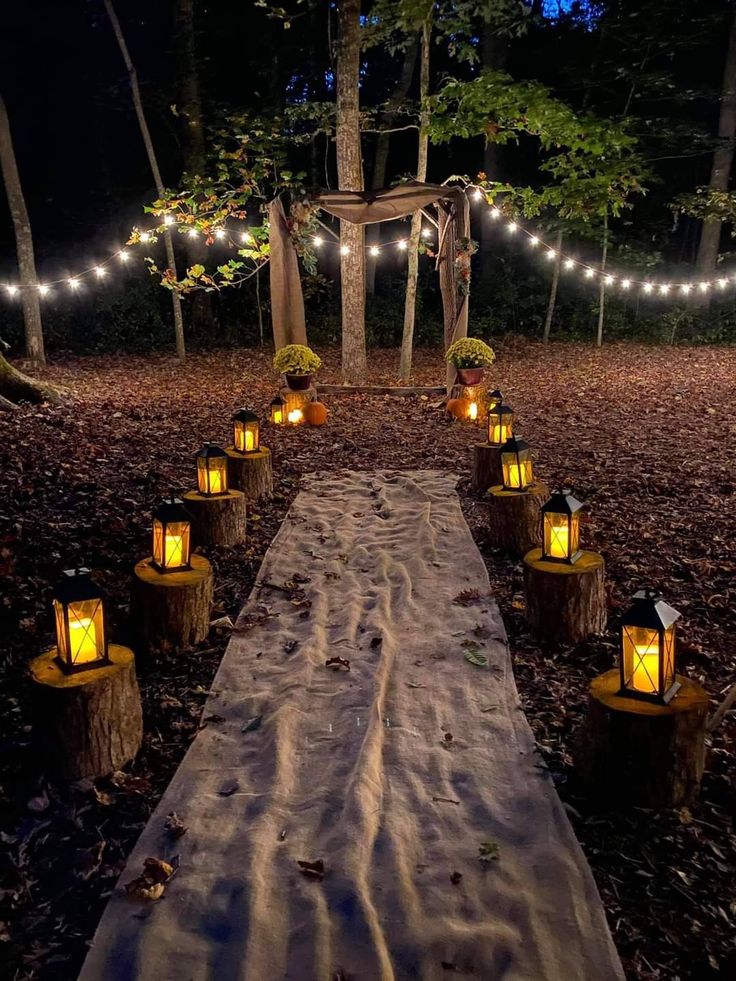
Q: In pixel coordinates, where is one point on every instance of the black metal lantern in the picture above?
(500, 424)
(648, 649)
(246, 432)
(561, 527)
(211, 470)
(172, 527)
(277, 411)
(81, 643)
(516, 464)
(494, 399)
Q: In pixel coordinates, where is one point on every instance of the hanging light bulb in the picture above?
(569, 263)
(100, 272)
(478, 194)
(247, 237)
(533, 241)
(625, 284)
(374, 250)
(145, 236)
(703, 287)
(495, 213)
(664, 288)
(722, 283)
(168, 220)
(123, 255)
(43, 290)
(685, 288)
(589, 273)
(512, 227)
(648, 287)
(73, 283)
(550, 254)
(318, 240)
(220, 233)
(12, 290)
(426, 232)
(192, 233)
(402, 244)
(608, 280)
(344, 250)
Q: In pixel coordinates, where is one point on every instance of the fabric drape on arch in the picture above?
(366, 208)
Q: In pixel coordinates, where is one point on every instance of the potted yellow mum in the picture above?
(298, 364)
(469, 357)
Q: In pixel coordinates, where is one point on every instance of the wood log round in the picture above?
(473, 393)
(487, 471)
(565, 603)
(251, 473)
(87, 724)
(514, 518)
(217, 520)
(639, 753)
(172, 608)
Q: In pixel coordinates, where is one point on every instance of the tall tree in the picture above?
(155, 171)
(720, 174)
(350, 178)
(29, 293)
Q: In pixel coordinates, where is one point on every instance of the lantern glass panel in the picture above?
(561, 535)
(641, 660)
(212, 475)
(247, 436)
(171, 544)
(80, 632)
(517, 468)
(500, 427)
(277, 412)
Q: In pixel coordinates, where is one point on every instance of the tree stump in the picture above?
(487, 471)
(296, 400)
(514, 520)
(473, 393)
(172, 608)
(251, 473)
(90, 723)
(565, 603)
(643, 754)
(217, 520)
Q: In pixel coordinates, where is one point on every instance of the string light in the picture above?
(246, 237)
(12, 290)
(589, 273)
(168, 220)
(664, 288)
(402, 244)
(608, 280)
(318, 240)
(550, 254)
(73, 283)
(512, 227)
(43, 289)
(533, 241)
(374, 250)
(703, 287)
(722, 283)
(100, 272)
(220, 233)
(123, 255)
(495, 213)
(344, 250)
(192, 233)
(478, 195)
(145, 236)
(569, 263)
(426, 232)
(685, 288)
(625, 284)
(648, 287)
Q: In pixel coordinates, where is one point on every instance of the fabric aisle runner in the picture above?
(392, 773)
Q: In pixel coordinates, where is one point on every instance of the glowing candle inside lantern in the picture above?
(250, 440)
(278, 416)
(646, 669)
(500, 433)
(83, 640)
(215, 485)
(295, 417)
(473, 411)
(559, 543)
(173, 550)
(514, 475)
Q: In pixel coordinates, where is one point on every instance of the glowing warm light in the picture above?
(647, 659)
(295, 416)
(344, 250)
(80, 624)
(478, 195)
(43, 290)
(145, 237)
(648, 287)
(664, 288)
(589, 273)
(685, 288)
(276, 411)
(192, 233)
(646, 669)
(495, 213)
(625, 283)
(608, 280)
(703, 287)
(12, 290)
(569, 263)
(533, 241)
(473, 411)
(550, 254)
(171, 536)
(426, 232)
(168, 220)
(247, 237)
(318, 240)
(220, 233)
(246, 431)
(374, 250)
(722, 284)
(512, 227)
(516, 464)
(211, 470)
(561, 527)
(402, 244)
(100, 272)
(123, 255)
(73, 284)
(83, 640)
(518, 475)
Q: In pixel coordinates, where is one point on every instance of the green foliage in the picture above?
(296, 359)
(708, 204)
(469, 352)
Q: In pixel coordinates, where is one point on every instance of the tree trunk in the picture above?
(412, 275)
(153, 163)
(722, 158)
(494, 52)
(553, 291)
(380, 160)
(17, 387)
(602, 286)
(350, 178)
(29, 294)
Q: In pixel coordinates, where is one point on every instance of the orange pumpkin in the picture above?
(458, 408)
(315, 413)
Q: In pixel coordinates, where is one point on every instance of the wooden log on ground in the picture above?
(639, 753)
(473, 393)
(172, 608)
(565, 603)
(486, 470)
(87, 724)
(217, 520)
(514, 518)
(251, 473)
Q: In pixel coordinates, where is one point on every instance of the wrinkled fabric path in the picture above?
(392, 773)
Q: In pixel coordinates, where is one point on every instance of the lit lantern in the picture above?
(246, 432)
(648, 649)
(516, 464)
(80, 622)
(561, 527)
(494, 398)
(277, 411)
(500, 424)
(295, 417)
(172, 526)
(211, 470)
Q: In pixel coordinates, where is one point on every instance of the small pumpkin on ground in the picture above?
(316, 413)
(458, 408)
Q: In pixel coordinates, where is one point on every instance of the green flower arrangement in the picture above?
(469, 352)
(296, 359)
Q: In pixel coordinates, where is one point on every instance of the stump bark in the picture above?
(514, 518)
(217, 520)
(487, 471)
(87, 724)
(565, 603)
(172, 608)
(639, 753)
(473, 393)
(251, 473)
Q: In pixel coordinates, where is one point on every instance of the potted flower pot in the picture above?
(469, 376)
(298, 383)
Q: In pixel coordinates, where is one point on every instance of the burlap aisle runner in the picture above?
(392, 773)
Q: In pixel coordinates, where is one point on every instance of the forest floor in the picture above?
(645, 436)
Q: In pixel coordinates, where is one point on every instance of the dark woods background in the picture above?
(86, 177)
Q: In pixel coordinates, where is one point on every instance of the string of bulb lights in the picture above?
(568, 263)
